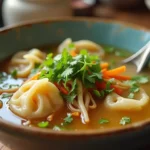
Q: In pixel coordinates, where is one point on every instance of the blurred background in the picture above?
(19, 11)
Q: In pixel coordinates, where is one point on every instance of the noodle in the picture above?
(83, 103)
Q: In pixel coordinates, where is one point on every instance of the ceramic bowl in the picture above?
(54, 31)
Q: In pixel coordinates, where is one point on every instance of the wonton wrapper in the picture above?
(116, 102)
(92, 47)
(36, 99)
(24, 61)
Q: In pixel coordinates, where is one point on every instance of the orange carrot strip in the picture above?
(73, 53)
(35, 77)
(119, 77)
(62, 89)
(76, 114)
(103, 70)
(115, 71)
(104, 65)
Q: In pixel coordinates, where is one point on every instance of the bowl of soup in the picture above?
(63, 86)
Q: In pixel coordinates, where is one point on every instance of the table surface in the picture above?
(139, 17)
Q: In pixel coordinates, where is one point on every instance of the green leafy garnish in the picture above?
(134, 88)
(140, 79)
(97, 93)
(14, 73)
(121, 53)
(64, 68)
(7, 95)
(125, 120)
(108, 88)
(71, 46)
(43, 124)
(68, 119)
(131, 95)
(58, 128)
(103, 121)
(109, 49)
(35, 69)
(73, 92)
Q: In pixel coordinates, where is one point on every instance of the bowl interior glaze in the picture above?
(50, 32)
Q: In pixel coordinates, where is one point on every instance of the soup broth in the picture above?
(100, 118)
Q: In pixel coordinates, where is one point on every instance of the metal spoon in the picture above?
(139, 58)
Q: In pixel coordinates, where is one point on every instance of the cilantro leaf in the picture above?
(7, 95)
(125, 120)
(14, 73)
(58, 128)
(131, 95)
(68, 119)
(67, 72)
(134, 88)
(140, 79)
(103, 121)
(64, 68)
(108, 88)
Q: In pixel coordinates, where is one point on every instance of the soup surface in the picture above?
(70, 116)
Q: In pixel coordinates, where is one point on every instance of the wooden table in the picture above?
(139, 17)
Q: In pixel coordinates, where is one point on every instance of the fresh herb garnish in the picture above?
(64, 68)
(97, 93)
(58, 128)
(103, 121)
(73, 92)
(43, 124)
(14, 73)
(109, 49)
(119, 53)
(134, 88)
(131, 95)
(125, 120)
(68, 119)
(35, 69)
(7, 95)
(140, 79)
(3, 77)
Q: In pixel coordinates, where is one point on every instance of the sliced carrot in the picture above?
(117, 90)
(62, 89)
(76, 114)
(35, 77)
(115, 71)
(73, 53)
(103, 70)
(104, 65)
(119, 77)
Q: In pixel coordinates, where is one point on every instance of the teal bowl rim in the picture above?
(11, 128)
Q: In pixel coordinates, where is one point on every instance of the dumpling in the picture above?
(24, 61)
(36, 99)
(64, 44)
(116, 102)
(92, 47)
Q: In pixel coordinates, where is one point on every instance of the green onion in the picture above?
(7, 95)
(125, 120)
(103, 121)
(14, 73)
(43, 124)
